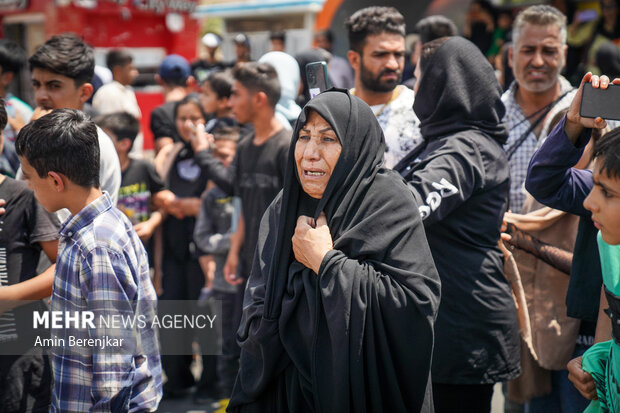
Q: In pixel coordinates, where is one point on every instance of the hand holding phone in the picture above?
(580, 113)
(598, 102)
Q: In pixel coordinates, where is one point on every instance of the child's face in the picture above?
(122, 146)
(604, 203)
(208, 98)
(45, 191)
(188, 118)
(225, 151)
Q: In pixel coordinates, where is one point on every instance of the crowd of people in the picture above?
(403, 241)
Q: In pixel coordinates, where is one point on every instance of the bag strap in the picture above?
(545, 111)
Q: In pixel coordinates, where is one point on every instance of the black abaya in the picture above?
(359, 335)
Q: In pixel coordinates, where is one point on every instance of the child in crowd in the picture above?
(214, 94)
(552, 179)
(216, 221)
(602, 360)
(139, 180)
(182, 277)
(100, 258)
(25, 230)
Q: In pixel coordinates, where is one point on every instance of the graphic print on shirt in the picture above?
(133, 200)
(433, 199)
(7, 319)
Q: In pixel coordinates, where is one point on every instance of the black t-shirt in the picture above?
(201, 69)
(256, 175)
(138, 182)
(259, 178)
(162, 122)
(24, 224)
(186, 179)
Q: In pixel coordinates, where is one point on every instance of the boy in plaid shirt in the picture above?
(100, 260)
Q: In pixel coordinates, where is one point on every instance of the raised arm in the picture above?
(551, 178)
(222, 176)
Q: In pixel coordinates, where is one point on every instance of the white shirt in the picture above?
(114, 97)
(400, 125)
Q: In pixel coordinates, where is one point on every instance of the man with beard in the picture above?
(537, 56)
(377, 55)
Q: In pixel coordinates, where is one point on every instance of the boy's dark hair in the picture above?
(68, 55)
(12, 56)
(372, 21)
(259, 77)
(122, 124)
(192, 98)
(607, 152)
(221, 83)
(227, 133)
(118, 57)
(3, 116)
(278, 35)
(434, 27)
(63, 141)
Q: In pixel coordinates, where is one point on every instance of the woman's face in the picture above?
(188, 118)
(316, 153)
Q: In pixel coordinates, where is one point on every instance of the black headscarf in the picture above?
(459, 91)
(359, 336)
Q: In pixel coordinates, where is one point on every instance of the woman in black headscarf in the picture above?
(459, 177)
(339, 308)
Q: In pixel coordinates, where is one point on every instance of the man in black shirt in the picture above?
(175, 77)
(256, 174)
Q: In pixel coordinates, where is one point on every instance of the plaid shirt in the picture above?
(517, 125)
(101, 259)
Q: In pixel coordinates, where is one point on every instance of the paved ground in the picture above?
(186, 405)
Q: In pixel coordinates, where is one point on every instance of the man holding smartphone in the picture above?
(377, 55)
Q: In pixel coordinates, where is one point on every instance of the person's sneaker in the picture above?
(222, 405)
(205, 295)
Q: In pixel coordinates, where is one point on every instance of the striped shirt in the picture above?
(102, 260)
(518, 124)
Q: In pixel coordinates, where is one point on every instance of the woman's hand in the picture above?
(201, 140)
(311, 242)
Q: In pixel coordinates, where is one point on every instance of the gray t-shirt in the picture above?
(212, 233)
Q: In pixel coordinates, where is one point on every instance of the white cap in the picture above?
(211, 40)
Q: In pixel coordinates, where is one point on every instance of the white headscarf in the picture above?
(288, 74)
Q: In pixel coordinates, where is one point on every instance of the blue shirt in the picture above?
(553, 181)
(102, 260)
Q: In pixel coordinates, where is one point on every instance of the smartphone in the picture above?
(316, 75)
(600, 102)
